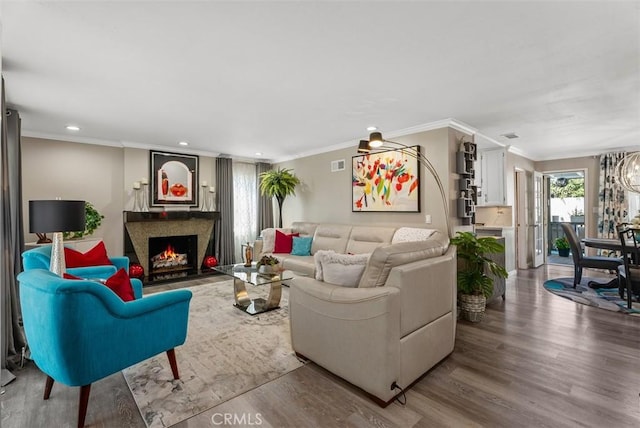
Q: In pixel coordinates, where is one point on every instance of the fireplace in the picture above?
(172, 257)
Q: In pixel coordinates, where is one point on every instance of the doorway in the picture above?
(565, 203)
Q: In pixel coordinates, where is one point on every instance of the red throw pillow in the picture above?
(284, 242)
(119, 283)
(97, 256)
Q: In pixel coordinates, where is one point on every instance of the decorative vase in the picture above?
(472, 306)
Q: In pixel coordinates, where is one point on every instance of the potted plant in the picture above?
(279, 183)
(475, 284)
(577, 216)
(562, 244)
(267, 264)
(93, 220)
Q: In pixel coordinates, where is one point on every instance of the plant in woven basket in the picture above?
(474, 283)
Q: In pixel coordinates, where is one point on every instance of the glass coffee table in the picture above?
(243, 275)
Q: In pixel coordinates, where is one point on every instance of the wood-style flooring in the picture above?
(535, 360)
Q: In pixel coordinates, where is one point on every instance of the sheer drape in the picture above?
(224, 245)
(265, 203)
(11, 239)
(245, 202)
(612, 204)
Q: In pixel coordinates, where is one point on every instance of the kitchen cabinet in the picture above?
(492, 181)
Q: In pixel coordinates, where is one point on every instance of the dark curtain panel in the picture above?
(225, 247)
(11, 239)
(265, 203)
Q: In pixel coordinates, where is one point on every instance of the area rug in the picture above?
(227, 352)
(603, 298)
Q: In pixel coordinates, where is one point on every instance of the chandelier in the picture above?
(628, 172)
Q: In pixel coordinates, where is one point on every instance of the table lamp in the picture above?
(56, 216)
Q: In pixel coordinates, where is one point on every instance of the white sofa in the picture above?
(394, 326)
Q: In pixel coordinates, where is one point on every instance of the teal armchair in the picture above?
(79, 331)
(40, 258)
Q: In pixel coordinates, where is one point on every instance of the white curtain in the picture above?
(245, 202)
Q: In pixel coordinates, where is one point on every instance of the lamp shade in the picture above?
(363, 147)
(56, 216)
(376, 140)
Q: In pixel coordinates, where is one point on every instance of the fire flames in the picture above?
(169, 253)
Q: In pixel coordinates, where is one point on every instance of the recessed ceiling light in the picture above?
(183, 143)
(372, 128)
(510, 135)
(258, 153)
(73, 128)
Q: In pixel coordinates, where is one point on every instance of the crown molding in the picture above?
(120, 144)
(444, 123)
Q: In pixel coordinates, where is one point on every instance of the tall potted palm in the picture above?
(279, 183)
(474, 283)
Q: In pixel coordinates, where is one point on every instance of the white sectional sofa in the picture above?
(394, 325)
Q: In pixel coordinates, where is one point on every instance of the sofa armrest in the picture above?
(427, 289)
(352, 332)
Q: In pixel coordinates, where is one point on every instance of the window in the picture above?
(245, 203)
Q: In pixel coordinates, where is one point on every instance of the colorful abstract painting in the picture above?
(386, 181)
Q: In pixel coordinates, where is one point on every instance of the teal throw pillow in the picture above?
(301, 246)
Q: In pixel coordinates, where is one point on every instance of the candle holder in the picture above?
(137, 191)
(145, 198)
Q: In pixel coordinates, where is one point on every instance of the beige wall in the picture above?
(591, 164)
(52, 169)
(101, 175)
(324, 196)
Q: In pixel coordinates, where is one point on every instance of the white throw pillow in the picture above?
(342, 269)
(411, 234)
(269, 238)
(317, 257)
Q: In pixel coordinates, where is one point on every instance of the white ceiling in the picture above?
(294, 78)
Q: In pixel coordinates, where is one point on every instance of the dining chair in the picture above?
(581, 261)
(629, 271)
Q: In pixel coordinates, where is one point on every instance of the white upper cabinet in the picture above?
(492, 183)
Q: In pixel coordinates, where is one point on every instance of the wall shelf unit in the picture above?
(467, 190)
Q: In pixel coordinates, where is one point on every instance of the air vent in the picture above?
(337, 165)
(510, 135)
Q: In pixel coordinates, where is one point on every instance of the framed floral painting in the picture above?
(174, 179)
(386, 181)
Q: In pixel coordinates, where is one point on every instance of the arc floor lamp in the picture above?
(376, 141)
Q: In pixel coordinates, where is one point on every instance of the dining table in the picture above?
(611, 245)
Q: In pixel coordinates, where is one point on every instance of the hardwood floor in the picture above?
(535, 360)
